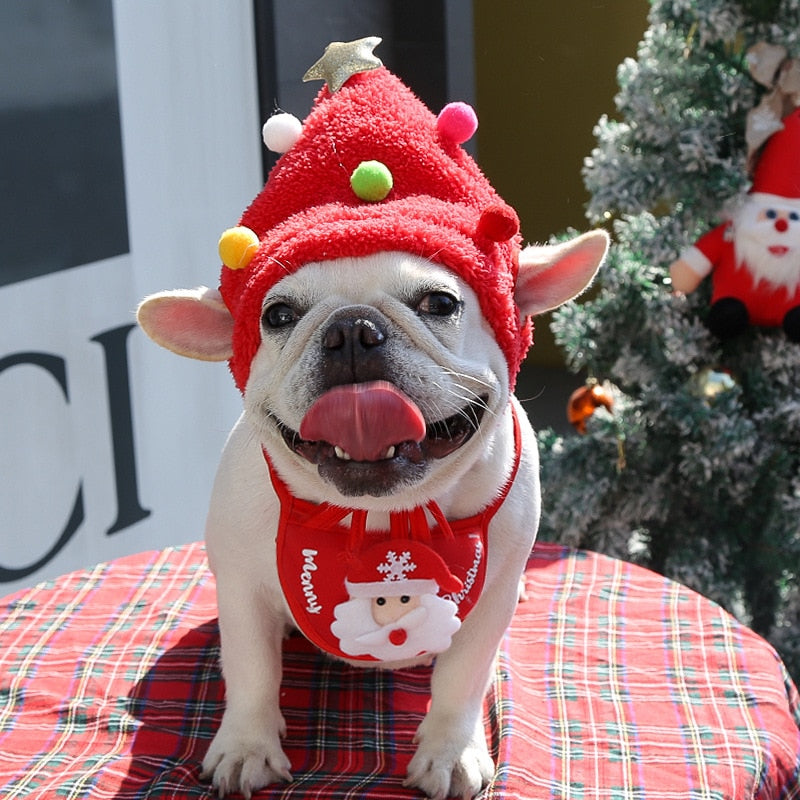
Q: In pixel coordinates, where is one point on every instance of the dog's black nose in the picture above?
(351, 346)
(352, 335)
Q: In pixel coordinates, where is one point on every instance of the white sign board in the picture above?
(108, 444)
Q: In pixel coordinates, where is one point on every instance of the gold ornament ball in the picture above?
(709, 383)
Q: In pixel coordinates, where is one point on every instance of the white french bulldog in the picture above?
(435, 421)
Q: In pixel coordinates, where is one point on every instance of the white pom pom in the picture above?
(281, 131)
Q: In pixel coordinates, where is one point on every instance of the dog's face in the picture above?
(376, 378)
(388, 356)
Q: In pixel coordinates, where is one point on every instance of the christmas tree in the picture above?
(691, 463)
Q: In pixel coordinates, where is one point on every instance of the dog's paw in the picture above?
(239, 760)
(442, 767)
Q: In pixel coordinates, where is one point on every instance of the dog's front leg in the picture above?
(452, 757)
(246, 753)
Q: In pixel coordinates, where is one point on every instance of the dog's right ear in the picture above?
(191, 322)
(550, 275)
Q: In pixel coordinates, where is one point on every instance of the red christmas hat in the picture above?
(372, 169)
(391, 569)
(778, 169)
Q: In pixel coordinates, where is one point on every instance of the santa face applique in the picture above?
(396, 610)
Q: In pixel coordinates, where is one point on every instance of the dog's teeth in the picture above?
(343, 455)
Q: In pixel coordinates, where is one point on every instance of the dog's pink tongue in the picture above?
(364, 419)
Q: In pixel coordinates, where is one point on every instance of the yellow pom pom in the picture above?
(237, 246)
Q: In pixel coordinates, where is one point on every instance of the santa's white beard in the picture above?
(429, 629)
(753, 238)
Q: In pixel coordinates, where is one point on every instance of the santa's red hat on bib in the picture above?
(405, 568)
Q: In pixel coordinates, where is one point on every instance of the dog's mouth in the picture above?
(370, 438)
(441, 439)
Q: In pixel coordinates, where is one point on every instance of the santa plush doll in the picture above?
(754, 258)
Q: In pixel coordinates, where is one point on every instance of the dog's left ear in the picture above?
(191, 322)
(549, 275)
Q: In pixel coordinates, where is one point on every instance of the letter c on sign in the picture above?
(57, 367)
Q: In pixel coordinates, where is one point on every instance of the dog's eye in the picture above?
(279, 315)
(439, 304)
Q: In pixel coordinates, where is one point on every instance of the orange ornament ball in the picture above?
(584, 401)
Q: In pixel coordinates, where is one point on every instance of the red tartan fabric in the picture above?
(611, 683)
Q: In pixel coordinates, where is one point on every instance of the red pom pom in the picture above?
(398, 636)
(498, 223)
(457, 122)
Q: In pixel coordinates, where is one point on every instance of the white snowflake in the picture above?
(395, 567)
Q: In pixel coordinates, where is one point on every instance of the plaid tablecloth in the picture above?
(611, 683)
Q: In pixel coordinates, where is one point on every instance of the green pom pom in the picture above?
(371, 181)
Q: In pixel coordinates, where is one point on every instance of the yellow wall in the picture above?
(545, 72)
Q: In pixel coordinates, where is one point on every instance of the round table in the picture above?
(612, 682)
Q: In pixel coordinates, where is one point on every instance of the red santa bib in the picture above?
(381, 595)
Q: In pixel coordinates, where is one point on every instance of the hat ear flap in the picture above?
(190, 322)
(550, 275)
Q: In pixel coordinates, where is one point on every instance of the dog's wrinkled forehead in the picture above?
(372, 170)
(368, 280)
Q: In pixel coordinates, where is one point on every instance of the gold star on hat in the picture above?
(341, 60)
